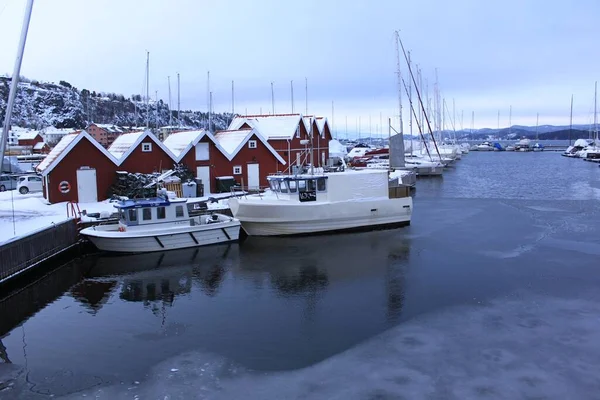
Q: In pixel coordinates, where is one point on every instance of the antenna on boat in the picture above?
(15, 81)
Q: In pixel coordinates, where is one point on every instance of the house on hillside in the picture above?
(41, 148)
(53, 135)
(251, 157)
(141, 152)
(285, 133)
(200, 152)
(29, 138)
(105, 134)
(77, 169)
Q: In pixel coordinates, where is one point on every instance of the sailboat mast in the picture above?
(15, 81)
(399, 81)
(537, 121)
(509, 121)
(148, 90)
(571, 120)
(292, 94)
(170, 108)
(410, 114)
(595, 113)
(178, 101)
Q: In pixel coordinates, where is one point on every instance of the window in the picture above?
(146, 214)
(122, 215)
(133, 215)
(146, 147)
(321, 186)
(35, 179)
(237, 170)
(298, 131)
(283, 186)
(274, 185)
(293, 186)
(252, 144)
(301, 186)
(160, 213)
(202, 152)
(312, 185)
(178, 211)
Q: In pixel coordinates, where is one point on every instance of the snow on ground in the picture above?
(31, 212)
(524, 347)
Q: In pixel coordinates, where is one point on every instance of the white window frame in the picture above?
(146, 147)
(237, 168)
(298, 131)
(201, 146)
(251, 144)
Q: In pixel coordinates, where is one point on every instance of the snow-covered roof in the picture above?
(110, 128)
(28, 135)
(271, 127)
(232, 141)
(125, 143)
(321, 122)
(39, 146)
(179, 143)
(51, 130)
(336, 149)
(66, 144)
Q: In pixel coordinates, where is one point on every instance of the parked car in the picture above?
(8, 182)
(29, 183)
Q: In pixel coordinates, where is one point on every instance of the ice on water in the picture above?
(522, 347)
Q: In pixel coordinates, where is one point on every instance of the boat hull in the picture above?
(271, 219)
(122, 242)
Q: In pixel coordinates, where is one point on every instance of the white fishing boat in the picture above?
(308, 203)
(158, 224)
(485, 146)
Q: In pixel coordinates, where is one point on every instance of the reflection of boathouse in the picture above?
(164, 285)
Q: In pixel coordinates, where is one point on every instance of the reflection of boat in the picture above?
(162, 275)
(158, 224)
(307, 203)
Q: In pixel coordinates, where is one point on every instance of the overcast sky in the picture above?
(489, 54)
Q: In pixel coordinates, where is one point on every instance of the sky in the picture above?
(531, 55)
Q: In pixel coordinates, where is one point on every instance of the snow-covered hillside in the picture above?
(41, 104)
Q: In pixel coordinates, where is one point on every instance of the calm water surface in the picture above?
(501, 259)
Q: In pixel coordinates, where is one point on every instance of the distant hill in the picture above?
(41, 104)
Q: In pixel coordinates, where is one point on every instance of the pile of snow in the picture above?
(336, 149)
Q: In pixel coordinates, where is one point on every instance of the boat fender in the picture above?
(122, 228)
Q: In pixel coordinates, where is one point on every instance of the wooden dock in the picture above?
(22, 253)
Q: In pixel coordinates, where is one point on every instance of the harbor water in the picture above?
(492, 292)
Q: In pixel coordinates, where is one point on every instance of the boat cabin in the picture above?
(152, 211)
(304, 188)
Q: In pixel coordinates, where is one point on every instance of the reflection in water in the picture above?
(93, 294)
(162, 276)
(309, 265)
(3, 354)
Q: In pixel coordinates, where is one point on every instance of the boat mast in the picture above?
(148, 91)
(595, 114)
(571, 121)
(399, 83)
(272, 99)
(15, 81)
(292, 92)
(410, 114)
(537, 121)
(509, 120)
(178, 101)
(170, 108)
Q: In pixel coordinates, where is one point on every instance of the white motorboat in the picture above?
(158, 224)
(485, 146)
(307, 203)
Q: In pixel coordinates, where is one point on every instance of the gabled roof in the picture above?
(321, 122)
(39, 145)
(180, 143)
(110, 128)
(271, 127)
(126, 143)
(66, 144)
(28, 135)
(51, 130)
(232, 141)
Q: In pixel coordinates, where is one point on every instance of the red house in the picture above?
(77, 169)
(200, 152)
(29, 138)
(250, 157)
(290, 135)
(141, 152)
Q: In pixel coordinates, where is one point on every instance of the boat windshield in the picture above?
(298, 185)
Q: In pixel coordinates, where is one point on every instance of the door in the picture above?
(204, 174)
(87, 188)
(253, 176)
